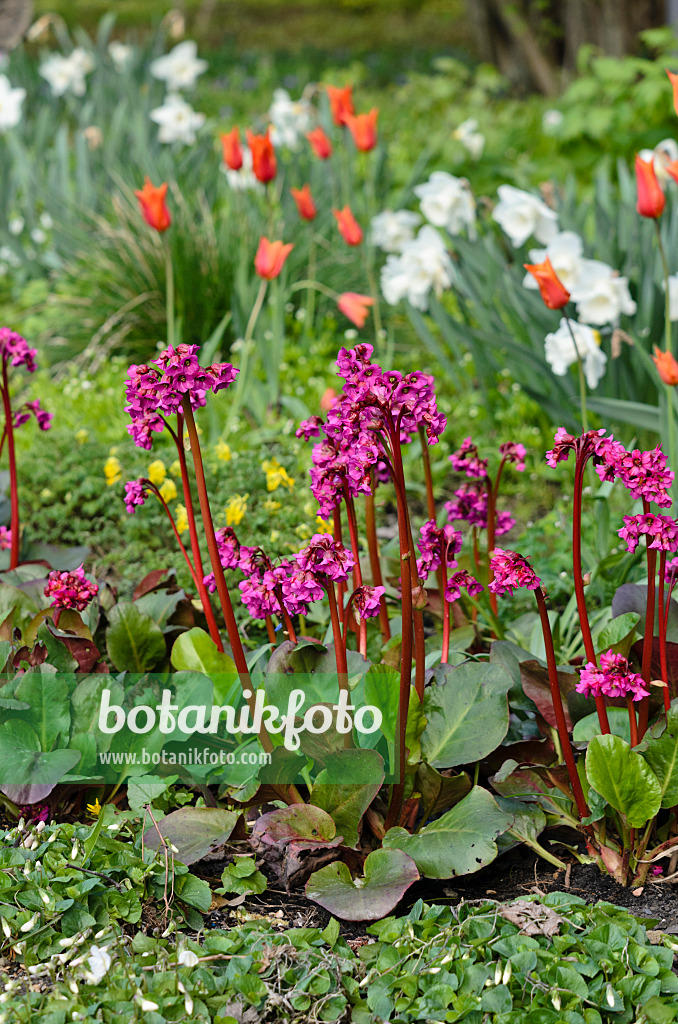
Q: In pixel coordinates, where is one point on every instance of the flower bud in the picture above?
(419, 598)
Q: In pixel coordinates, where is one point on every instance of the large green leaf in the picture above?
(346, 787)
(623, 778)
(388, 875)
(49, 714)
(467, 716)
(458, 843)
(195, 831)
(27, 774)
(661, 753)
(135, 642)
(196, 651)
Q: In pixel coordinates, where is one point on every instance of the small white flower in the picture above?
(447, 202)
(178, 120)
(561, 352)
(290, 119)
(392, 229)
(552, 119)
(10, 104)
(187, 958)
(147, 1005)
(673, 296)
(565, 252)
(9, 256)
(38, 236)
(29, 924)
(467, 133)
(47, 223)
(520, 214)
(99, 961)
(120, 54)
(6, 928)
(16, 225)
(601, 294)
(179, 68)
(243, 179)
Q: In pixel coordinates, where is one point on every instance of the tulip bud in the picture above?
(153, 205)
(667, 367)
(554, 294)
(651, 199)
(306, 207)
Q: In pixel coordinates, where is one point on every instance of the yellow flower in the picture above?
(175, 468)
(235, 509)
(112, 470)
(274, 536)
(321, 526)
(157, 472)
(304, 531)
(168, 491)
(271, 505)
(81, 436)
(223, 451)
(311, 509)
(181, 518)
(94, 808)
(276, 475)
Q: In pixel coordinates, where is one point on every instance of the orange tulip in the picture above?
(667, 367)
(328, 399)
(348, 226)
(355, 307)
(341, 102)
(304, 200)
(320, 144)
(363, 128)
(271, 257)
(153, 205)
(264, 163)
(672, 169)
(554, 294)
(674, 82)
(232, 149)
(651, 199)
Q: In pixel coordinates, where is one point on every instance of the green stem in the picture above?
(246, 344)
(310, 291)
(669, 388)
(169, 294)
(582, 379)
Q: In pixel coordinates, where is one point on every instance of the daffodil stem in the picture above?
(582, 379)
(242, 376)
(169, 293)
(669, 388)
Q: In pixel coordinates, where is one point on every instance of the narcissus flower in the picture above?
(363, 128)
(264, 164)
(651, 199)
(305, 206)
(270, 257)
(553, 292)
(355, 307)
(348, 226)
(153, 205)
(667, 367)
(232, 149)
(320, 143)
(341, 102)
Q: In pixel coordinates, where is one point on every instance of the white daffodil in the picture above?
(561, 352)
(447, 202)
(10, 104)
(177, 119)
(243, 179)
(422, 266)
(120, 54)
(179, 68)
(392, 229)
(520, 215)
(601, 294)
(565, 252)
(67, 74)
(673, 296)
(290, 119)
(467, 133)
(99, 961)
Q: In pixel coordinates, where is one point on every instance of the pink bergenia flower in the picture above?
(564, 443)
(644, 473)
(16, 350)
(34, 812)
(466, 460)
(367, 601)
(70, 589)
(230, 553)
(5, 538)
(514, 452)
(511, 571)
(28, 409)
(656, 870)
(469, 505)
(462, 579)
(136, 492)
(671, 571)
(437, 543)
(612, 679)
(323, 556)
(661, 532)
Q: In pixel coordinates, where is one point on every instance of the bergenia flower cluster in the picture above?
(462, 580)
(70, 589)
(28, 409)
(437, 544)
(158, 389)
(612, 679)
(466, 460)
(367, 601)
(16, 351)
(661, 532)
(469, 505)
(511, 571)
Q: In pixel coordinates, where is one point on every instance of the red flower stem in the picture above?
(217, 569)
(663, 659)
(14, 489)
(491, 527)
(193, 534)
(362, 637)
(339, 650)
(632, 720)
(579, 586)
(289, 627)
(151, 486)
(557, 699)
(375, 566)
(447, 611)
(270, 629)
(646, 665)
(430, 497)
(341, 587)
(353, 534)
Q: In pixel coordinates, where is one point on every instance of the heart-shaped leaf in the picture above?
(297, 823)
(195, 831)
(346, 787)
(388, 876)
(535, 682)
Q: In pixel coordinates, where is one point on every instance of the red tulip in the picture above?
(341, 102)
(667, 367)
(320, 144)
(328, 399)
(355, 307)
(271, 257)
(348, 226)
(304, 200)
(232, 149)
(674, 82)
(553, 292)
(363, 128)
(651, 199)
(263, 156)
(153, 205)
